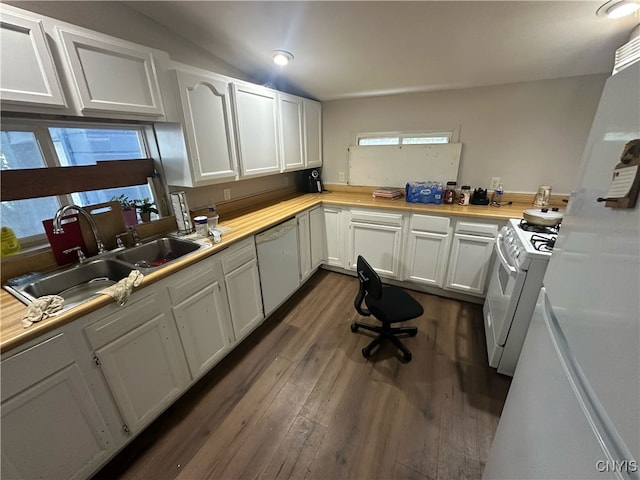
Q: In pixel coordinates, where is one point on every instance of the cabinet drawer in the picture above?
(192, 279)
(376, 217)
(128, 318)
(33, 364)
(429, 223)
(238, 255)
(483, 229)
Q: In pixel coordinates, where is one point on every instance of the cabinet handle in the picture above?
(96, 360)
(125, 428)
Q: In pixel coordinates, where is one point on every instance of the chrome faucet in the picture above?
(57, 223)
(134, 235)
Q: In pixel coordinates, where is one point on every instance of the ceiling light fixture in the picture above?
(618, 8)
(282, 57)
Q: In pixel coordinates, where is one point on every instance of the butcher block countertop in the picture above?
(12, 334)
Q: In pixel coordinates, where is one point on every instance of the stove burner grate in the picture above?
(529, 227)
(543, 244)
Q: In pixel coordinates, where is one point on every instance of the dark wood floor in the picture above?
(297, 400)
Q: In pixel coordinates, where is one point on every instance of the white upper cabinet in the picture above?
(291, 132)
(312, 133)
(256, 120)
(50, 66)
(28, 75)
(206, 116)
(111, 75)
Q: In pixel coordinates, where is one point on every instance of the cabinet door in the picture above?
(469, 263)
(111, 75)
(51, 425)
(291, 132)
(379, 244)
(313, 133)
(28, 75)
(203, 320)
(207, 119)
(257, 129)
(142, 359)
(334, 236)
(427, 257)
(318, 236)
(245, 298)
(304, 245)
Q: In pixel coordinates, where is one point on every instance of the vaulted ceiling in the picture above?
(348, 49)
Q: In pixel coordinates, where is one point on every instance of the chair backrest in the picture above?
(370, 284)
(373, 284)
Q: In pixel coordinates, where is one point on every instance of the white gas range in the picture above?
(522, 252)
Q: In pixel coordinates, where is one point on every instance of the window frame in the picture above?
(40, 129)
(400, 136)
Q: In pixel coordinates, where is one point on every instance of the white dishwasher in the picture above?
(278, 264)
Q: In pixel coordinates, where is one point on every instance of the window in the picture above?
(42, 146)
(404, 138)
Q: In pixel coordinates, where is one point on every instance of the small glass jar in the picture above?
(465, 195)
(201, 225)
(450, 193)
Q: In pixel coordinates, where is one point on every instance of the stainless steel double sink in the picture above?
(81, 282)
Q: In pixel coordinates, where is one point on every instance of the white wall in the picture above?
(527, 133)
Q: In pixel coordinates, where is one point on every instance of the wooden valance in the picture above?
(45, 182)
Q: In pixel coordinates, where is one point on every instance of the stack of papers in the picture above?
(387, 192)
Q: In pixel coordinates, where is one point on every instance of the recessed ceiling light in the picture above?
(282, 57)
(618, 8)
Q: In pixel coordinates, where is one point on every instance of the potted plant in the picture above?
(128, 209)
(146, 209)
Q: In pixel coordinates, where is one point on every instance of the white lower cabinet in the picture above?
(201, 312)
(334, 231)
(51, 425)
(317, 236)
(304, 245)
(241, 277)
(428, 249)
(470, 259)
(311, 241)
(140, 356)
(377, 236)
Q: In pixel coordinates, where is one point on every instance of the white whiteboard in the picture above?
(395, 165)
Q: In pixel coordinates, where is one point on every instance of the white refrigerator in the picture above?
(573, 409)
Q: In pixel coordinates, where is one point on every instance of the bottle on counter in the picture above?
(465, 195)
(9, 242)
(212, 217)
(450, 193)
(497, 195)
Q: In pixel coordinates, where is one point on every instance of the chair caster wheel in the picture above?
(407, 357)
(354, 327)
(366, 353)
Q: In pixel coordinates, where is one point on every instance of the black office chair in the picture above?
(386, 303)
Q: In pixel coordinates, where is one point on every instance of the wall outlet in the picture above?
(227, 193)
(495, 183)
(341, 176)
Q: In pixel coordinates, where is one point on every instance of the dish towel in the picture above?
(41, 308)
(121, 290)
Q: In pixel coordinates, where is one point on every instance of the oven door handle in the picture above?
(501, 256)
